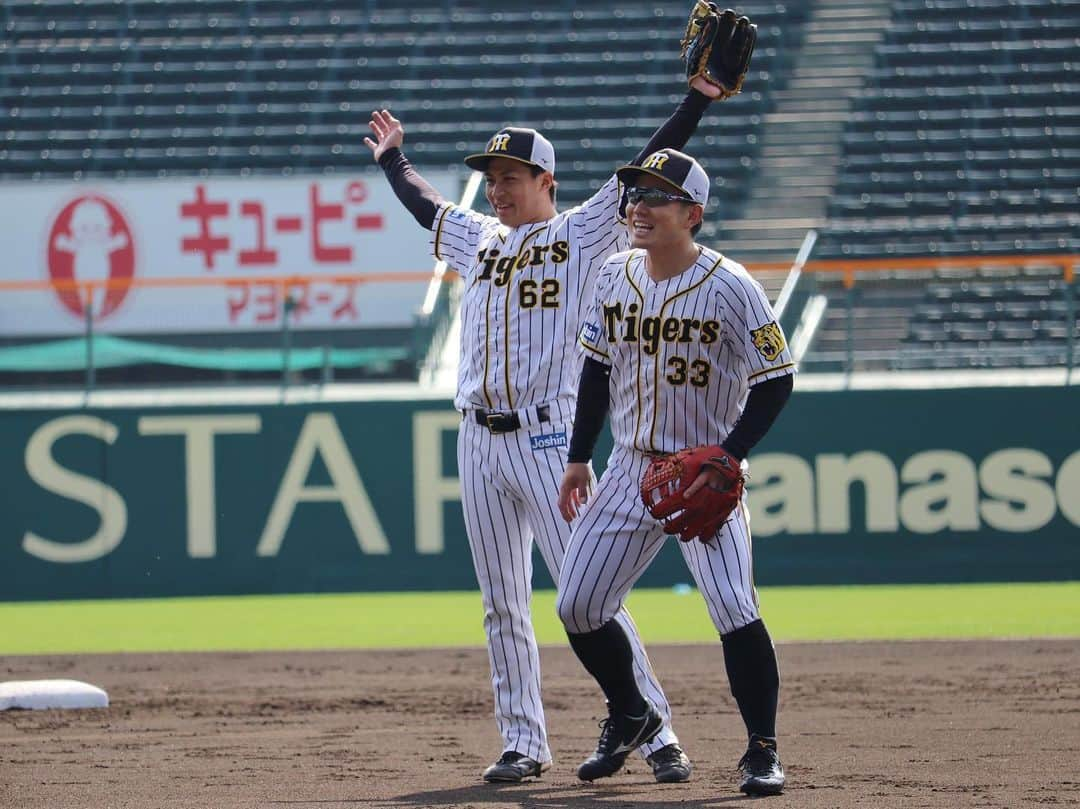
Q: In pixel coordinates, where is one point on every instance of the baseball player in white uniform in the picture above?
(684, 349)
(528, 272)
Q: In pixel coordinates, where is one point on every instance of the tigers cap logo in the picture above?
(516, 143)
(675, 168)
(655, 161)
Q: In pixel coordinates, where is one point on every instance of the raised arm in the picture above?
(676, 130)
(415, 193)
(717, 47)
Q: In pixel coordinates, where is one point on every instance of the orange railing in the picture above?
(1066, 262)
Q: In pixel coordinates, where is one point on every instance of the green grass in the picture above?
(374, 620)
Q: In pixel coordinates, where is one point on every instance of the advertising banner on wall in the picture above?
(156, 243)
(848, 488)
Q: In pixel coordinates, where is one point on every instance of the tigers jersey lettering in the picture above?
(684, 351)
(525, 288)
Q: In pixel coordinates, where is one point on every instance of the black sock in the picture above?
(754, 677)
(607, 656)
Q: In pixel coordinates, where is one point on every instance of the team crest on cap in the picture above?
(768, 340)
(499, 142)
(655, 161)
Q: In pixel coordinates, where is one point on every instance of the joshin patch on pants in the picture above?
(548, 440)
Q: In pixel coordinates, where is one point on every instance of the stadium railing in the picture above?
(880, 344)
(95, 350)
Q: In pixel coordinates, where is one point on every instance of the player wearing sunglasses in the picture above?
(652, 197)
(684, 351)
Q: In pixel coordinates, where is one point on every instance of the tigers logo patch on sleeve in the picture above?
(768, 340)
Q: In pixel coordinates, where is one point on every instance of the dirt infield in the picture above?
(979, 724)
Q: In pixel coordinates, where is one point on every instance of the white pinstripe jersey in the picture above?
(526, 290)
(684, 351)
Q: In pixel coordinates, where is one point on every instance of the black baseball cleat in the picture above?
(512, 767)
(670, 765)
(619, 735)
(762, 772)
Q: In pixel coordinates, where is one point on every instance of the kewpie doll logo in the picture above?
(91, 241)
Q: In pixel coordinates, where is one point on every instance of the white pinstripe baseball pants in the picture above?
(615, 540)
(509, 492)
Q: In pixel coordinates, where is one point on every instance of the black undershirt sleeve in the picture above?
(763, 405)
(415, 193)
(676, 130)
(593, 400)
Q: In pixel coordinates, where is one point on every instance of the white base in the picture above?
(36, 695)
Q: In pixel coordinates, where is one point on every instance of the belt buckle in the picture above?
(496, 423)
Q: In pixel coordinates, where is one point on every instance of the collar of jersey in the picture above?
(692, 270)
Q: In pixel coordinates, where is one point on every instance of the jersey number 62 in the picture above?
(545, 292)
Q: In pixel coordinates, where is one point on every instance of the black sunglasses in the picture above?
(653, 197)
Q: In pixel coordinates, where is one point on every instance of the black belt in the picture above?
(507, 422)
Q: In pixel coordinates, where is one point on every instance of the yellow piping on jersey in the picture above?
(487, 345)
(770, 370)
(438, 231)
(637, 372)
(506, 316)
(660, 314)
(487, 332)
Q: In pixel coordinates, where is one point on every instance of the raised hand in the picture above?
(388, 131)
(705, 87)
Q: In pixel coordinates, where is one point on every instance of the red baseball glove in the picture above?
(668, 477)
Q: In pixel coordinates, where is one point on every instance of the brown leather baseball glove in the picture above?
(667, 479)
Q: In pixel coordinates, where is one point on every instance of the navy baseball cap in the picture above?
(516, 143)
(678, 170)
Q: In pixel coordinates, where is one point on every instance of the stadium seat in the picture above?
(202, 68)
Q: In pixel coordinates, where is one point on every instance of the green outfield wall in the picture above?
(849, 487)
